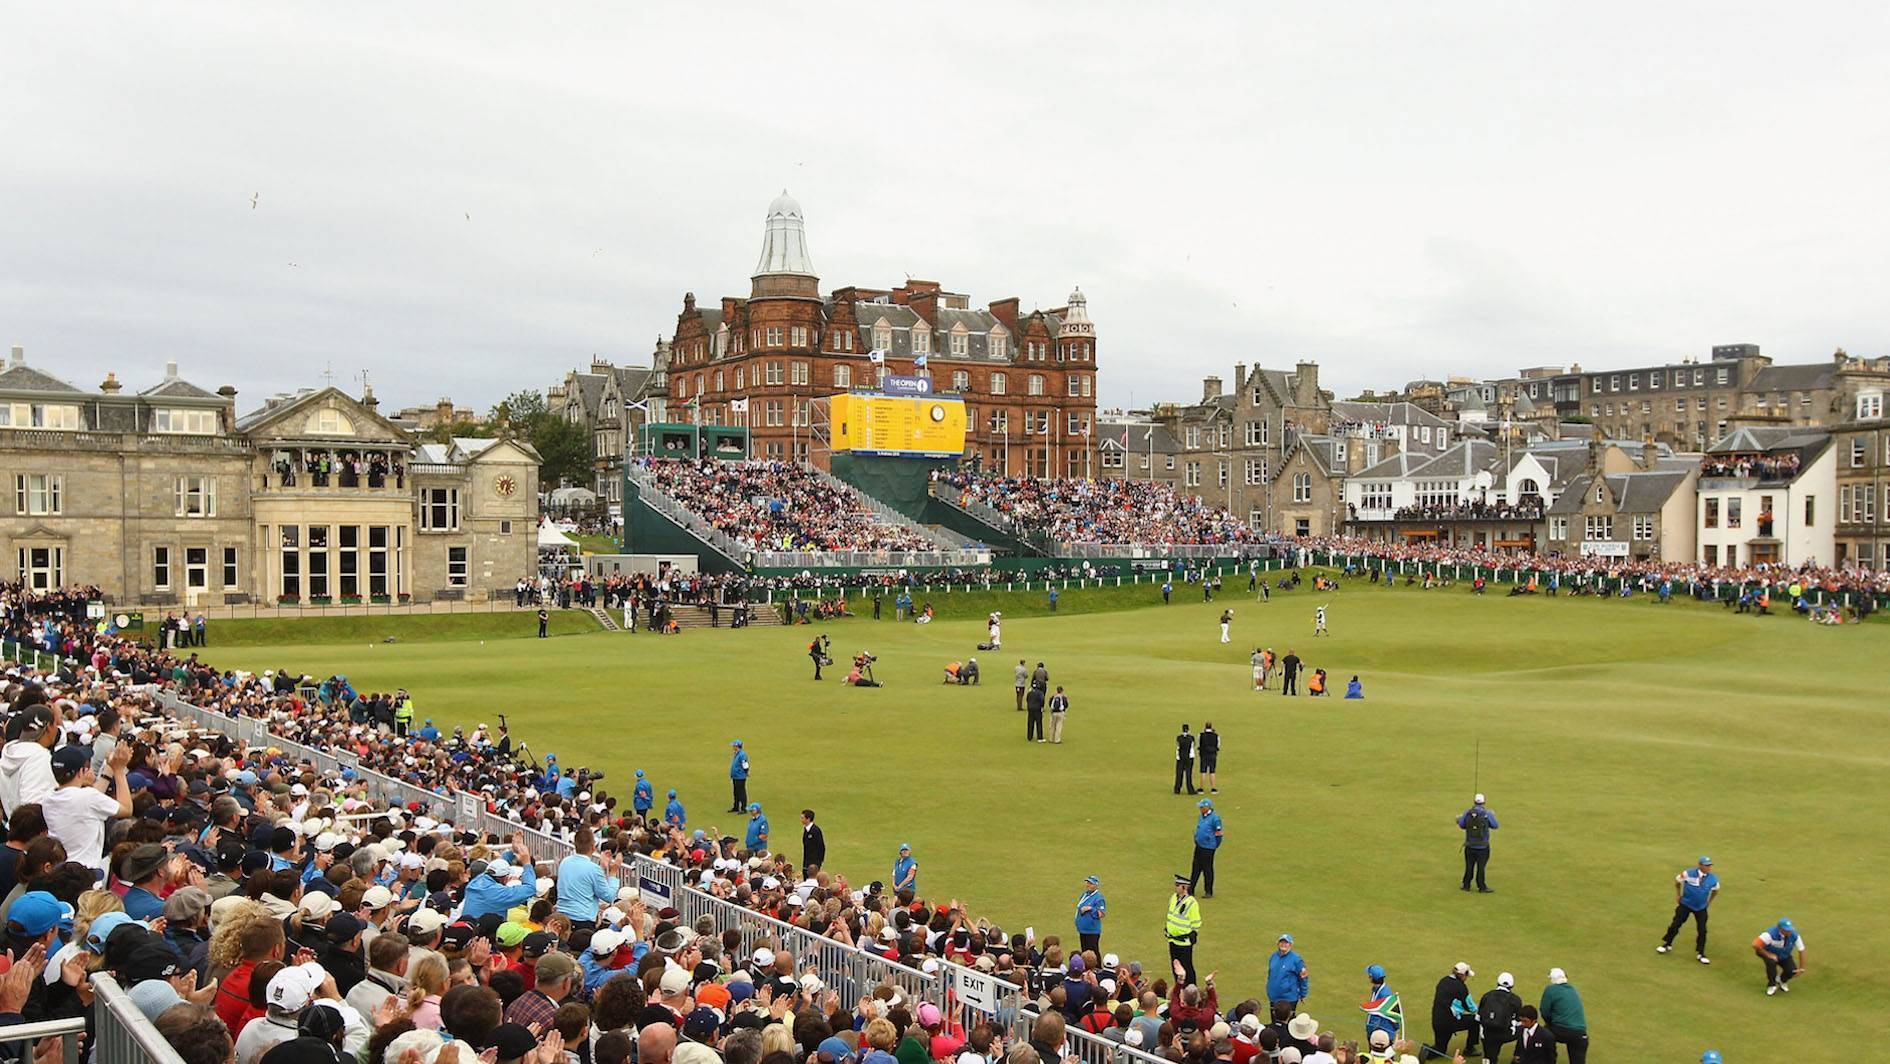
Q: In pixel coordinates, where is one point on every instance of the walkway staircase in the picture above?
(604, 618)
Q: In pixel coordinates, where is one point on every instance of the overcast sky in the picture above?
(467, 199)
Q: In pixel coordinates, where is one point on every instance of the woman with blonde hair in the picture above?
(879, 1033)
(776, 1036)
(427, 984)
(226, 939)
(92, 905)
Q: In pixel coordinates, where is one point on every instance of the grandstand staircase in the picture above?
(677, 529)
(980, 523)
(891, 516)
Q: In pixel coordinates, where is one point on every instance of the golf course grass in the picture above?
(1618, 740)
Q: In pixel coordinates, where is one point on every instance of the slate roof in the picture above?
(28, 379)
(1806, 378)
(1463, 459)
(176, 388)
(1139, 442)
(1642, 492)
(1390, 413)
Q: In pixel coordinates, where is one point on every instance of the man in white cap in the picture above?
(1497, 1012)
(1452, 1010)
(1477, 822)
(293, 990)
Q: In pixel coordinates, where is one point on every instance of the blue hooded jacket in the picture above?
(487, 895)
(1284, 981)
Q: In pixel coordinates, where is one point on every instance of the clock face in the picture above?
(938, 412)
(505, 486)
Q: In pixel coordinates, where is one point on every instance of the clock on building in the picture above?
(505, 486)
(938, 412)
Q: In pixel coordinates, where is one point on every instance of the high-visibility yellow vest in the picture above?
(1184, 918)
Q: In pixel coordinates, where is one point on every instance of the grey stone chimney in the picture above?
(1210, 388)
(110, 386)
(17, 358)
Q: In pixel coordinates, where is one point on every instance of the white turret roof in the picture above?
(1076, 318)
(784, 248)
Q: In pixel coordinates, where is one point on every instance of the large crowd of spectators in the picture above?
(1760, 466)
(1473, 510)
(780, 506)
(1071, 510)
(259, 909)
(1693, 579)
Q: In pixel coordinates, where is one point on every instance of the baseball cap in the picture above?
(606, 941)
(377, 897)
(319, 905)
(835, 1050)
(499, 868)
(38, 912)
(1092, 880)
(1381, 1039)
(1205, 804)
(701, 1023)
(344, 926)
(554, 966)
(152, 960)
(538, 943)
(68, 760)
(1479, 799)
(928, 1014)
(737, 742)
(1705, 859)
(1286, 938)
(1461, 968)
(1505, 980)
(1785, 924)
(511, 934)
(103, 927)
(426, 921)
(513, 1040)
(294, 987)
(1111, 961)
(1077, 964)
(1375, 971)
(675, 980)
(1557, 975)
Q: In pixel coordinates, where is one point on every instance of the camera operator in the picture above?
(820, 650)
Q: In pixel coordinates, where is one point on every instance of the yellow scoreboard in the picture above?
(932, 426)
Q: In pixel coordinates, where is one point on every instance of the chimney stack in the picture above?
(367, 397)
(110, 385)
(1210, 388)
(1240, 376)
(18, 357)
(1650, 454)
(170, 370)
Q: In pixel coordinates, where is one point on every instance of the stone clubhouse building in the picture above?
(165, 497)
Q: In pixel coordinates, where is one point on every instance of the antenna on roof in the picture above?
(328, 373)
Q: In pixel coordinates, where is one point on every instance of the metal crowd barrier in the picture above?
(1095, 1049)
(121, 1033)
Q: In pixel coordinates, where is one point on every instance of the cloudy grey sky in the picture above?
(465, 199)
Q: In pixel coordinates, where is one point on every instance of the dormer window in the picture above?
(1870, 406)
(189, 422)
(961, 341)
(921, 339)
(999, 344)
(61, 416)
(882, 336)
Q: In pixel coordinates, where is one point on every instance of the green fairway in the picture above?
(1619, 741)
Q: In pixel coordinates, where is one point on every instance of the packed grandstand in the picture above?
(777, 506)
(1072, 510)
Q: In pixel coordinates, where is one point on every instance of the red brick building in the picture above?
(1028, 380)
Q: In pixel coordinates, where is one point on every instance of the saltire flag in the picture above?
(876, 357)
(1386, 1007)
(918, 361)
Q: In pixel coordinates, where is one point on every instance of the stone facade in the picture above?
(167, 498)
(1862, 454)
(769, 361)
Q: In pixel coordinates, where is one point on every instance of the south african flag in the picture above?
(1384, 1005)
